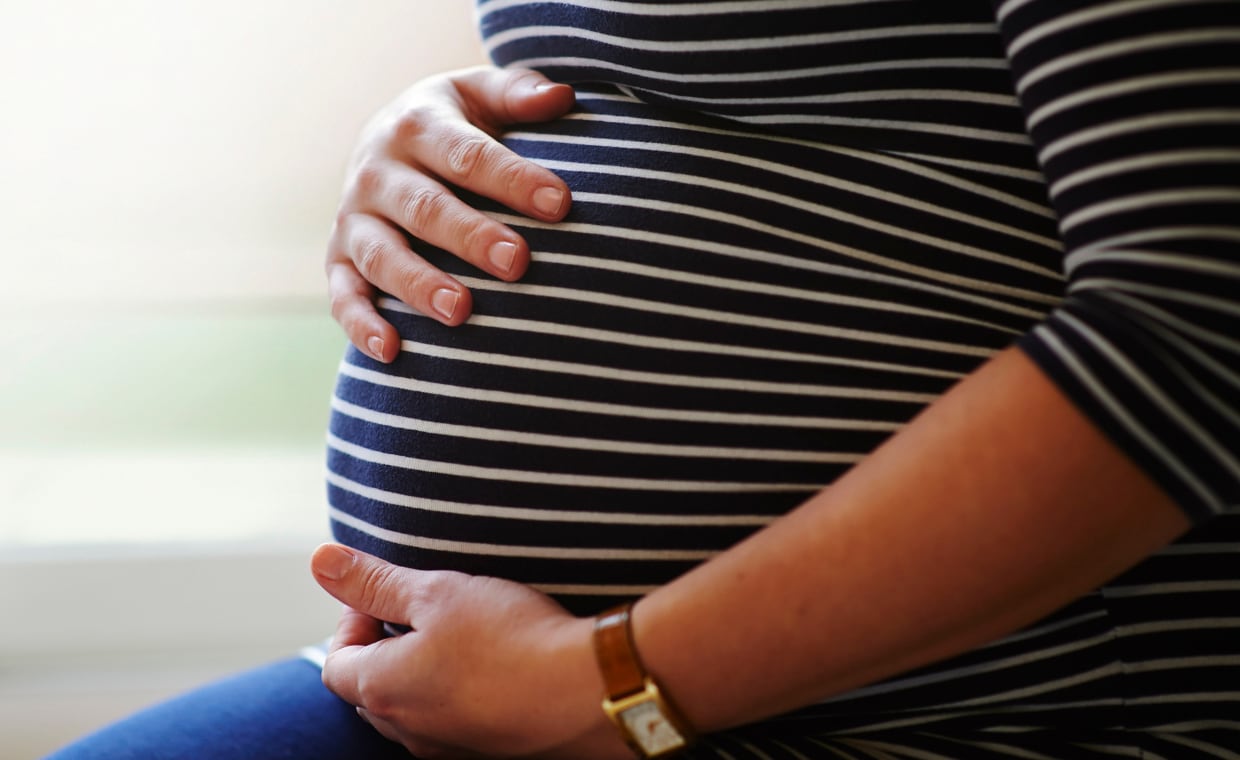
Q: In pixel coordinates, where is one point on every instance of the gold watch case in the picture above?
(645, 720)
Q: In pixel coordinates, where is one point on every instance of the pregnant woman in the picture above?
(756, 313)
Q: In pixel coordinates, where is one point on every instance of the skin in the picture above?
(441, 130)
(905, 560)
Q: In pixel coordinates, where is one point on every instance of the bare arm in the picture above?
(999, 504)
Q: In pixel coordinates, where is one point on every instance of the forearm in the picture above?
(997, 505)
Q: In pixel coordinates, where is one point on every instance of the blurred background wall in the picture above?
(168, 175)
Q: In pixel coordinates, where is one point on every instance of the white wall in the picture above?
(192, 145)
(154, 154)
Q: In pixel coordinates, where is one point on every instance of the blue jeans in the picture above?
(280, 711)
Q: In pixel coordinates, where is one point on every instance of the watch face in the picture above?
(650, 729)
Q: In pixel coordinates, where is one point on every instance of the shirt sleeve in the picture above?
(1134, 109)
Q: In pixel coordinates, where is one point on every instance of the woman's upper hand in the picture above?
(491, 668)
(440, 131)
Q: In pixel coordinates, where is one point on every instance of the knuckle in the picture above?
(337, 244)
(434, 587)
(341, 302)
(411, 124)
(376, 583)
(339, 224)
(343, 281)
(515, 177)
(338, 304)
(410, 282)
(368, 179)
(374, 698)
(473, 232)
(466, 156)
(370, 255)
(420, 206)
(328, 675)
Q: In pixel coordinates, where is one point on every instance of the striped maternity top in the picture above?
(795, 224)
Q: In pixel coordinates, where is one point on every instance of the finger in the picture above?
(360, 657)
(356, 629)
(468, 156)
(430, 212)
(350, 672)
(512, 96)
(352, 304)
(382, 257)
(364, 583)
(363, 675)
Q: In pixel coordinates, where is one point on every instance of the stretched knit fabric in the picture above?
(795, 224)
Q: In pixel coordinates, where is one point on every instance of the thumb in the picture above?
(364, 583)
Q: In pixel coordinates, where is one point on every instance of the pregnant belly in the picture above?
(725, 323)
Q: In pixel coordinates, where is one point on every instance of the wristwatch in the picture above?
(645, 715)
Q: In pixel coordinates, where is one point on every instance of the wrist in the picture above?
(586, 729)
(642, 711)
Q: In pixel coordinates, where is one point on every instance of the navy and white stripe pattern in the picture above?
(795, 224)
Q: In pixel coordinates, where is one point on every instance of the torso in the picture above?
(740, 305)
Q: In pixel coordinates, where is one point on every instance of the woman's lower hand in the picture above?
(441, 130)
(491, 668)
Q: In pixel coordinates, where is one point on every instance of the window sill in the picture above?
(99, 631)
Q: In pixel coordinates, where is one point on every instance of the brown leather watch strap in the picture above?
(622, 671)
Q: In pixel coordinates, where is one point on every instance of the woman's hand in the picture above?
(441, 130)
(490, 669)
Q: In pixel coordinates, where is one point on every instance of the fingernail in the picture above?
(502, 255)
(332, 561)
(375, 344)
(444, 301)
(542, 87)
(549, 201)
